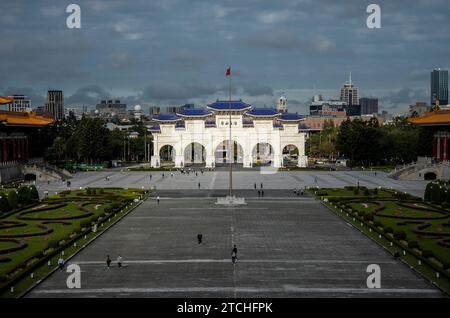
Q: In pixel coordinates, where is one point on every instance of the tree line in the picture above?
(368, 143)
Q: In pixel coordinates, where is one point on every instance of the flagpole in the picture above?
(231, 143)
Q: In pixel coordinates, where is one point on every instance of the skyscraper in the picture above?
(20, 103)
(55, 104)
(349, 93)
(439, 86)
(369, 106)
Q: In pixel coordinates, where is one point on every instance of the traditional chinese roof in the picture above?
(165, 117)
(262, 112)
(227, 105)
(194, 112)
(154, 128)
(9, 118)
(434, 118)
(290, 117)
(6, 100)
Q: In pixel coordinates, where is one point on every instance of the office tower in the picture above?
(20, 103)
(439, 87)
(368, 105)
(349, 93)
(55, 104)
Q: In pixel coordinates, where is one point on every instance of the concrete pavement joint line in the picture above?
(287, 288)
(241, 261)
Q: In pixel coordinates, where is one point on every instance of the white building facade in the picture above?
(202, 137)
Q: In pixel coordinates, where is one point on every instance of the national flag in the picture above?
(5, 100)
(228, 73)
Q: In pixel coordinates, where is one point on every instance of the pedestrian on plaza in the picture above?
(171, 174)
(108, 261)
(259, 193)
(261, 185)
(315, 179)
(61, 263)
(163, 175)
(119, 261)
(199, 238)
(234, 254)
(262, 193)
(255, 185)
(199, 185)
(157, 199)
(150, 176)
(301, 192)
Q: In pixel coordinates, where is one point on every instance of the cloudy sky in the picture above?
(170, 52)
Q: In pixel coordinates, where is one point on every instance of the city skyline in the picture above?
(170, 53)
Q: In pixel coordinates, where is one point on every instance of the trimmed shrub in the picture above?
(24, 195)
(368, 217)
(356, 191)
(413, 244)
(367, 192)
(400, 235)
(427, 254)
(388, 229)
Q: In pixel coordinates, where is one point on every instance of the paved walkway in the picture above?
(287, 247)
(241, 180)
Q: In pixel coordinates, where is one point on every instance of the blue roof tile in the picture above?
(290, 117)
(263, 112)
(225, 105)
(194, 112)
(165, 117)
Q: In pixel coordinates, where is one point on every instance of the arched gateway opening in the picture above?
(167, 155)
(290, 155)
(262, 154)
(223, 156)
(194, 154)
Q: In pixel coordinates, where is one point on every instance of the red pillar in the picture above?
(441, 148)
(5, 151)
(434, 148)
(26, 149)
(445, 156)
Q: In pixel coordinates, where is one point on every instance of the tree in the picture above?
(12, 199)
(4, 204)
(23, 195)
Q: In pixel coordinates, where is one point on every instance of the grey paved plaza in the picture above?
(243, 179)
(288, 246)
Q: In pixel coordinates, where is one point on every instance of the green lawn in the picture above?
(44, 230)
(420, 221)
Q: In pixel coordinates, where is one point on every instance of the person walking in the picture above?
(199, 185)
(199, 238)
(261, 185)
(255, 185)
(262, 193)
(108, 261)
(259, 193)
(119, 261)
(150, 176)
(61, 263)
(157, 199)
(234, 254)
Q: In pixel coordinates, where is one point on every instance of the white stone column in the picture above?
(302, 161)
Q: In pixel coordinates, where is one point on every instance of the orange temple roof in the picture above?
(9, 118)
(433, 118)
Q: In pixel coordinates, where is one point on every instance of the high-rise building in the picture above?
(349, 93)
(20, 103)
(439, 87)
(108, 109)
(369, 106)
(55, 104)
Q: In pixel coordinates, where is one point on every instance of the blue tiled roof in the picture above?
(225, 105)
(277, 125)
(290, 117)
(263, 112)
(154, 128)
(194, 112)
(165, 117)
